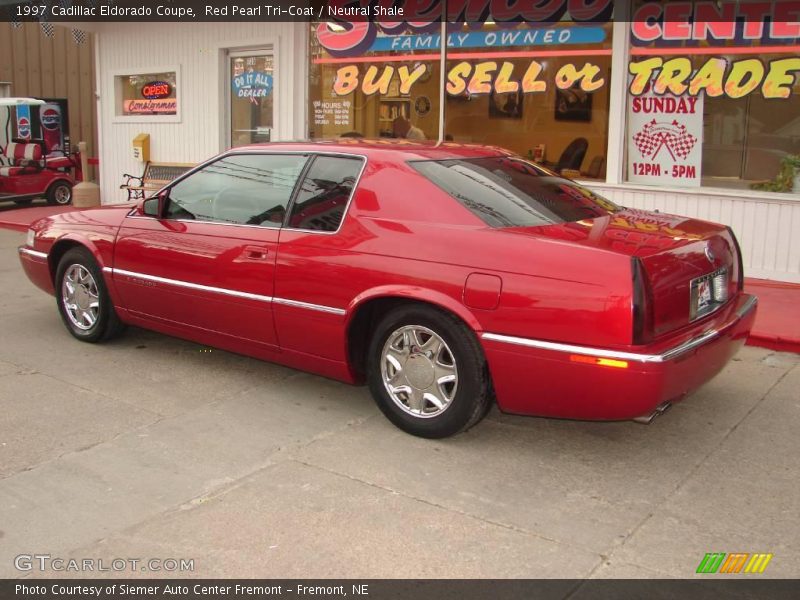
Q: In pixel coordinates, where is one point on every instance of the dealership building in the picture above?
(691, 116)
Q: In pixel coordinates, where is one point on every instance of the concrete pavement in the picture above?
(151, 447)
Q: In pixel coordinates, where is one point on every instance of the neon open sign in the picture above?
(156, 90)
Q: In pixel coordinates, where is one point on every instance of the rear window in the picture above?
(511, 192)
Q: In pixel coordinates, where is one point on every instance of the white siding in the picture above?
(197, 48)
(767, 225)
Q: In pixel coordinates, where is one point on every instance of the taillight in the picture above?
(642, 305)
(739, 275)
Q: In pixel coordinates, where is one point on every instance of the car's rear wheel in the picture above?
(83, 300)
(59, 193)
(427, 372)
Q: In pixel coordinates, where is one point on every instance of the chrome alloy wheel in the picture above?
(419, 371)
(80, 297)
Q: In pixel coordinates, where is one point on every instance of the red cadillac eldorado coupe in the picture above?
(444, 277)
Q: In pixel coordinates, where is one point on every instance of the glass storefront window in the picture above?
(712, 102)
(379, 92)
(538, 89)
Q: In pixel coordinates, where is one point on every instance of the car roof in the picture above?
(389, 148)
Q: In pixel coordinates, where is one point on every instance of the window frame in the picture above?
(304, 173)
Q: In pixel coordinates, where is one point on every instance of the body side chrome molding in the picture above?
(217, 290)
(31, 252)
(310, 306)
(188, 285)
(668, 355)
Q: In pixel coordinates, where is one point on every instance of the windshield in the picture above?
(507, 191)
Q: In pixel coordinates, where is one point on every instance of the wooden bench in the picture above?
(155, 176)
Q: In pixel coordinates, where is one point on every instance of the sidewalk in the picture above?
(777, 325)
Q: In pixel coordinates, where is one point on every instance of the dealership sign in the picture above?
(252, 85)
(740, 21)
(353, 38)
(677, 76)
(716, 76)
(667, 28)
(165, 106)
(528, 36)
(468, 78)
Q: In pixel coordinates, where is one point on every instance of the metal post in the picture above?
(442, 72)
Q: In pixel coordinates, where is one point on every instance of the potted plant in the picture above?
(794, 160)
(787, 179)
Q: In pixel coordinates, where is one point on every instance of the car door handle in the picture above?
(256, 254)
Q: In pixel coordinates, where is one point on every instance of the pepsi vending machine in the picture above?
(48, 122)
(54, 121)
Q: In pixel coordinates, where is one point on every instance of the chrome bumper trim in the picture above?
(30, 252)
(668, 355)
(556, 347)
(745, 308)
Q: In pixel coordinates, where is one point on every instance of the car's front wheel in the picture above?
(427, 372)
(83, 300)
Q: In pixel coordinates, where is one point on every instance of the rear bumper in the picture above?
(542, 378)
(36, 267)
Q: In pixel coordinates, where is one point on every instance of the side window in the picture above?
(246, 189)
(324, 193)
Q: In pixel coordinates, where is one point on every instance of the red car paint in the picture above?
(543, 301)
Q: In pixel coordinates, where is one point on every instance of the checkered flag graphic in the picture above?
(682, 142)
(48, 28)
(79, 35)
(674, 136)
(646, 141)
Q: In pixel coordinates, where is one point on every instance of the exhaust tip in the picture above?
(658, 411)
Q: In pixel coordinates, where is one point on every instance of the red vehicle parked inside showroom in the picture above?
(444, 277)
(28, 170)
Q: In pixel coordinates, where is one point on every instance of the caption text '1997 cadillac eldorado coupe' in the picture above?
(445, 277)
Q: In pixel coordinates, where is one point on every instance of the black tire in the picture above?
(59, 193)
(473, 394)
(107, 323)
(24, 202)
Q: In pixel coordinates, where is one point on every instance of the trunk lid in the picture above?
(678, 259)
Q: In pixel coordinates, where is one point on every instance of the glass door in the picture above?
(252, 93)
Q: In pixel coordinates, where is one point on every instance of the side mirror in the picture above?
(155, 206)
